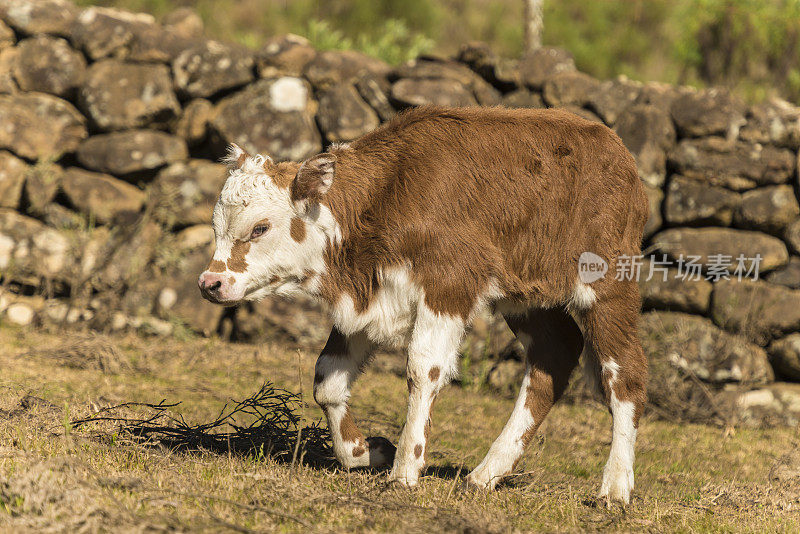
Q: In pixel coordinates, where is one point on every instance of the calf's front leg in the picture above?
(339, 364)
(432, 362)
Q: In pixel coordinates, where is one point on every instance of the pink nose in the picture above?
(211, 285)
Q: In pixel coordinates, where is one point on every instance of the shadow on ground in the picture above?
(268, 423)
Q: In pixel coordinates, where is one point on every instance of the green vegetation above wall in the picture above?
(752, 46)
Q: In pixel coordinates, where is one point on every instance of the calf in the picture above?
(411, 230)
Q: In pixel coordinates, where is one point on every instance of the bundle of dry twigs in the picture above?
(265, 424)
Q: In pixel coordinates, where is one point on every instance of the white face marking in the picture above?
(274, 262)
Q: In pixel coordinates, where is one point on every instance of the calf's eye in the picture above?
(259, 230)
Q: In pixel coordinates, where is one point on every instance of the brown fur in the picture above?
(297, 229)
(417, 450)
(237, 262)
(216, 266)
(612, 334)
(349, 430)
(482, 194)
(510, 197)
(471, 199)
(283, 173)
(433, 374)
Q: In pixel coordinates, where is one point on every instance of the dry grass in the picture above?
(84, 351)
(56, 477)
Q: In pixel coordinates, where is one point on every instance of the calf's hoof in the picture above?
(481, 480)
(617, 486)
(403, 480)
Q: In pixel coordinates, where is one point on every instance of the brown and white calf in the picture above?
(409, 231)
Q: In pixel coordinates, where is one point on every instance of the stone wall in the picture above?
(111, 126)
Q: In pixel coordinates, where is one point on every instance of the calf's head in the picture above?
(270, 227)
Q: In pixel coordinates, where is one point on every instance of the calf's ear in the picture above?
(235, 157)
(313, 179)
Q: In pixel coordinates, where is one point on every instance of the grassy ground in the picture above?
(53, 476)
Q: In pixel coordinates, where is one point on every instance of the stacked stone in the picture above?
(111, 126)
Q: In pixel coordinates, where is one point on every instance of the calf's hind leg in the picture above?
(337, 367)
(612, 338)
(553, 345)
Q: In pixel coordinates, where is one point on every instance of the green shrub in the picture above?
(752, 46)
(394, 44)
